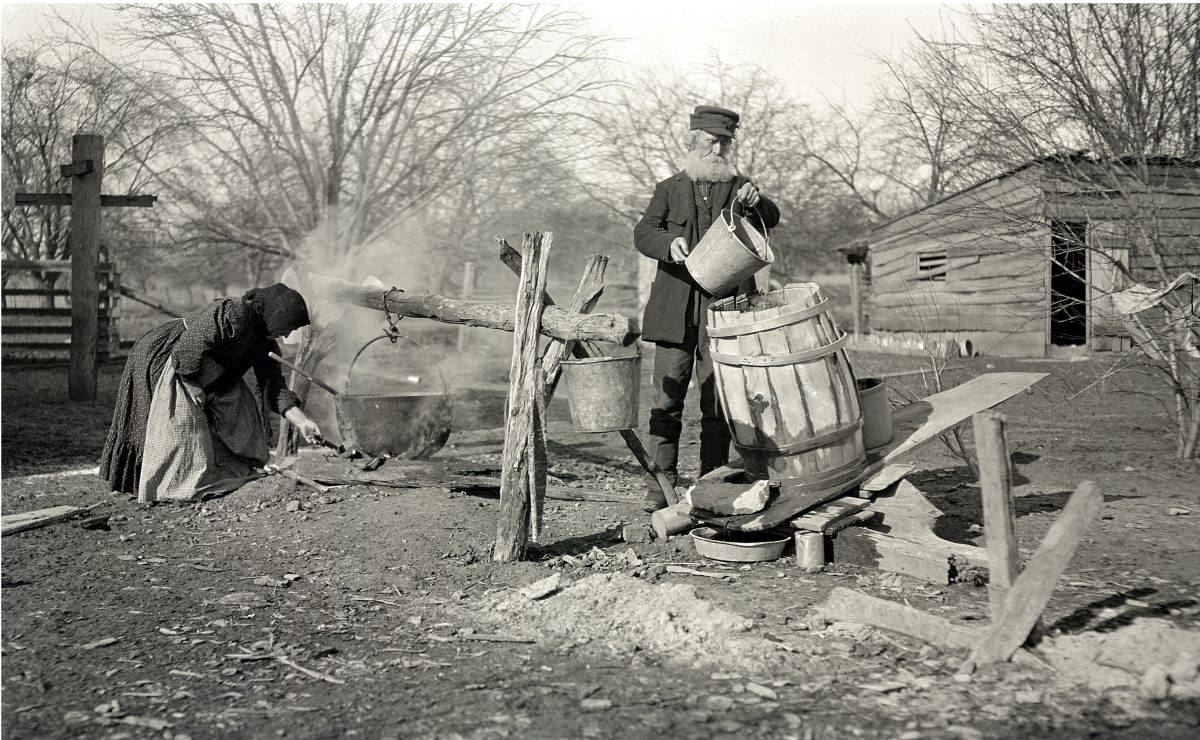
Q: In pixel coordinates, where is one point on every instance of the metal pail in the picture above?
(729, 253)
(603, 392)
(410, 426)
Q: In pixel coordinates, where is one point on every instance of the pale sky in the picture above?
(817, 49)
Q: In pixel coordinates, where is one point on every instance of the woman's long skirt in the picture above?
(163, 446)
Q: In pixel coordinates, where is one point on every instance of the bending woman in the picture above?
(186, 424)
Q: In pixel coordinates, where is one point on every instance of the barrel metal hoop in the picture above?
(773, 360)
(775, 322)
(835, 477)
(804, 445)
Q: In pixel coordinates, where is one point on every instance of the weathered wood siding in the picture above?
(994, 286)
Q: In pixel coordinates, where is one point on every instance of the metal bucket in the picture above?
(603, 392)
(410, 425)
(877, 413)
(728, 254)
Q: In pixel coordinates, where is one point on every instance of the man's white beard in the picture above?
(699, 166)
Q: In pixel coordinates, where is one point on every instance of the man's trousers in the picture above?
(674, 365)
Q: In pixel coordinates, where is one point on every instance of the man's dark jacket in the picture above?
(673, 212)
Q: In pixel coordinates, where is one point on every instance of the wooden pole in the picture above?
(468, 288)
(591, 287)
(999, 522)
(513, 260)
(86, 170)
(519, 468)
(856, 296)
(555, 322)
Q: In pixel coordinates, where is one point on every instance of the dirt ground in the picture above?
(376, 612)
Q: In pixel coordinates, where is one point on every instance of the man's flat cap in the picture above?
(714, 120)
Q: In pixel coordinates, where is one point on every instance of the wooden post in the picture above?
(519, 467)
(591, 287)
(512, 259)
(468, 288)
(999, 524)
(856, 295)
(1032, 589)
(86, 169)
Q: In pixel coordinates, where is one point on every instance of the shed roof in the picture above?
(1080, 156)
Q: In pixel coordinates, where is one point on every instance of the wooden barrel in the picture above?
(787, 389)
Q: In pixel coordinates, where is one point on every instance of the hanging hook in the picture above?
(393, 332)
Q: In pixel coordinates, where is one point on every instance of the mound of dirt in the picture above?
(1151, 655)
(621, 614)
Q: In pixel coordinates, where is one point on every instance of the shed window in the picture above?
(931, 265)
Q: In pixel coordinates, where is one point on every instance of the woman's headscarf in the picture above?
(282, 309)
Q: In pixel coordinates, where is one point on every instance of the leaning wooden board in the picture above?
(914, 424)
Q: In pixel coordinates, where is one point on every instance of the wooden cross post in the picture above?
(591, 285)
(86, 171)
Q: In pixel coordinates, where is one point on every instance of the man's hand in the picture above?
(679, 249)
(306, 426)
(748, 194)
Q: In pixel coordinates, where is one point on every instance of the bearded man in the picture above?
(681, 211)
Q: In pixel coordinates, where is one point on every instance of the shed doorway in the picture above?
(1068, 283)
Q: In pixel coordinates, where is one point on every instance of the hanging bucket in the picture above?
(877, 413)
(603, 392)
(728, 254)
(786, 387)
(411, 425)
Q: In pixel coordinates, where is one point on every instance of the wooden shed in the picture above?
(1020, 265)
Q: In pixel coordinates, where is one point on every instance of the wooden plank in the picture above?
(823, 517)
(906, 513)
(846, 605)
(885, 478)
(1032, 589)
(914, 425)
(513, 526)
(64, 199)
(49, 292)
(45, 265)
(999, 521)
(64, 313)
(930, 559)
(84, 242)
(13, 523)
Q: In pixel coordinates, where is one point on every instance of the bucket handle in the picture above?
(393, 338)
(732, 225)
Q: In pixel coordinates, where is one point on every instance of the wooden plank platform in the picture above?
(914, 424)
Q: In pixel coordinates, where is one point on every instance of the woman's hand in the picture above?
(306, 426)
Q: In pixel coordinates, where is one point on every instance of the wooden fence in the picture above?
(35, 321)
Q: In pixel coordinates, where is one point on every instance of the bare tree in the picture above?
(48, 96)
(1119, 81)
(351, 116)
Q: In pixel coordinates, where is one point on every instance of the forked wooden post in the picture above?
(86, 169)
(999, 525)
(591, 285)
(520, 468)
